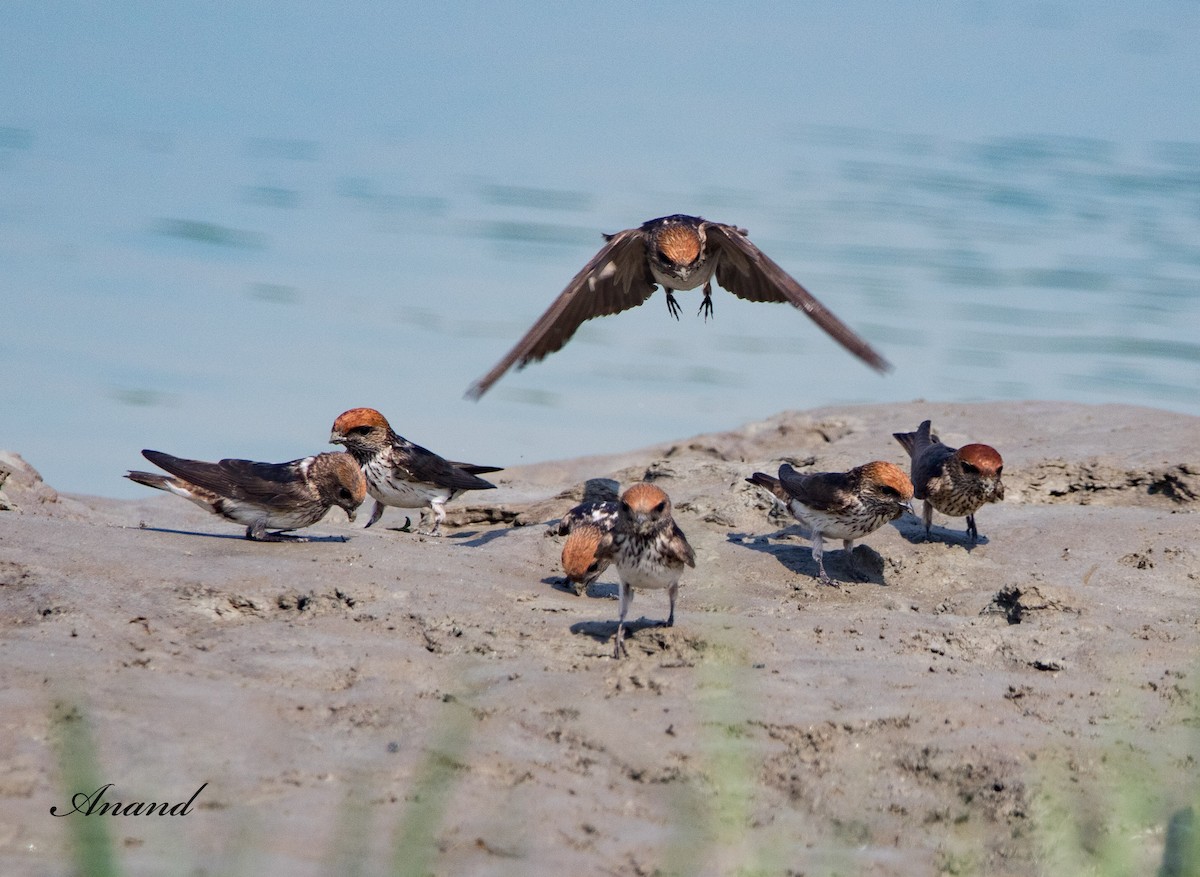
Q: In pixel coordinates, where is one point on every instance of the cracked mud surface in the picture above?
(902, 724)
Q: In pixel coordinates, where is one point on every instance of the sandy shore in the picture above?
(334, 694)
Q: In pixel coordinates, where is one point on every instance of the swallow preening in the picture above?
(677, 253)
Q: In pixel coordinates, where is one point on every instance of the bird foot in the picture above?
(274, 537)
(672, 305)
(706, 308)
(972, 530)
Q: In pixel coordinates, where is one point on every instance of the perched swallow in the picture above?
(585, 527)
(648, 548)
(955, 481)
(841, 505)
(400, 473)
(263, 496)
(678, 253)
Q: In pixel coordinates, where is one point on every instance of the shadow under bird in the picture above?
(955, 481)
(841, 505)
(400, 473)
(263, 496)
(676, 252)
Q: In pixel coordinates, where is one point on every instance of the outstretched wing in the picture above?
(264, 484)
(616, 279)
(749, 273)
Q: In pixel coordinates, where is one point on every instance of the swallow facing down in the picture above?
(585, 527)
(955, 481)
(841, 505)
(678, 253)
(648, 548)
(263, 496)
(400, 473)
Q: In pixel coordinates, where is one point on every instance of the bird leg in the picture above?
(439, 515)
(376, 514)
(626, 593)
(706, 306)
(818, 553)
(672, 305)
(672, 592)
(972, 530)
(927, 516)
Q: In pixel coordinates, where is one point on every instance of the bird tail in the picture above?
(150, 479)
(476, 470)
(914, 441)
(762, 479)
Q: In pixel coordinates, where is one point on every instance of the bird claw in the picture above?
(706, 308)
(672, 305)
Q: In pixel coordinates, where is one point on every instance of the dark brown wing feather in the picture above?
(679, 547)
(476, 470)
(264, 484)
(423, 465)
(821, 491)
(615, 280)
(930, 463)
(749, 273)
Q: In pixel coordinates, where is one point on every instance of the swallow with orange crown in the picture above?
(840, 505)
(262, 496)
(955, 481)
(648, 549)
(400, 473)
(585, 527)
(677, 253)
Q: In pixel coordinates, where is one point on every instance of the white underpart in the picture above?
(244, 513)
(385, 487)
(698, 277)
(647, 572)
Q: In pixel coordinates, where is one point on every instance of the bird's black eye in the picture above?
(663, 256)
(343, 493)
(360, 430)
(660, 508)
(625, 509)
(967, 467)
(889, 491)
(999, 469)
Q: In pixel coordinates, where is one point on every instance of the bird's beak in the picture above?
(336, 438)
(907, 506)
(352, 514)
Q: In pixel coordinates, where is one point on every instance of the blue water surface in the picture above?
(223, 224)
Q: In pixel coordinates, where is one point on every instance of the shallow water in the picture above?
(214, 258)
